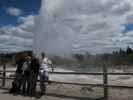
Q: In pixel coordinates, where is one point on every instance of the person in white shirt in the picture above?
(44, 72)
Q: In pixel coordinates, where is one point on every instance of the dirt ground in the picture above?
(4, 95)
(56, 92)
(70, 92)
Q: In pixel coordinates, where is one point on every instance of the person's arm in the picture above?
(18, 66)
(51, 65)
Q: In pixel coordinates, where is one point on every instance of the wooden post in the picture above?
(4, 75)
(105, 82)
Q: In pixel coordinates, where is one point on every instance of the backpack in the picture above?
(15, 87)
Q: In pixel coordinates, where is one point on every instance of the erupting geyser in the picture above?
(66, 26)
(52, 35)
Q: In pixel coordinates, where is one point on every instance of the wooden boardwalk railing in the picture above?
(105, 74)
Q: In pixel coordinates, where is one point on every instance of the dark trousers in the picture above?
(26, 83)
(33, 81)
(19, 79)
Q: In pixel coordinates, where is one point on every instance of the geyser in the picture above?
(52, 35)
(66, 26)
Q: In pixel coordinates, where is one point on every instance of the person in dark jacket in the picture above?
(17, 82)
(34, 74)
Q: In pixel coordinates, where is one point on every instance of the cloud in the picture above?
(66, 26)
(17, 38)
(14, 11)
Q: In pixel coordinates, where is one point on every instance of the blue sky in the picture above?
(128, 27)
(16, 24)
(26, 7)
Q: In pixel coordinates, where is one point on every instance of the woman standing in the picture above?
(44, 72)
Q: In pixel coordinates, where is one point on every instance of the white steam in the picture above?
(66, 26)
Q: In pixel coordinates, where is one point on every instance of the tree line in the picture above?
(119, 57)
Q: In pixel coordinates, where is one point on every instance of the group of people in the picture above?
(27, 72)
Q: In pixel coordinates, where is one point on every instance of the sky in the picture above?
(66, 26)
(17, 23)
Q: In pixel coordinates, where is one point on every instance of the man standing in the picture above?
(34, 74)
(26, 74)
(43, 72)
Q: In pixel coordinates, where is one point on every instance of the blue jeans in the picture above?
(43, 78)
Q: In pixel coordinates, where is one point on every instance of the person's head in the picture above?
(43, 54)
(27, 58)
